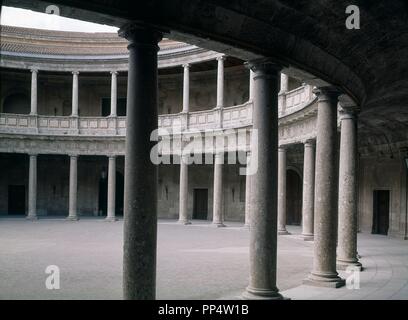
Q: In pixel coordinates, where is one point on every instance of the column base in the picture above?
(329, 280)
(111, 219)
(261, 294)
(72, 218)
(283, 232)
(184, 222)
(218, 225)
(349, 265)
(308, 237)
(32, 217)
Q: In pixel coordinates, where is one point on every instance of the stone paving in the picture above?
(194, 262)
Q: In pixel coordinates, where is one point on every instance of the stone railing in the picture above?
(295, 100)
(229, 117)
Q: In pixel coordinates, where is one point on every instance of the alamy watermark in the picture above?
(353, 280)
(200, 146)
(52, 282)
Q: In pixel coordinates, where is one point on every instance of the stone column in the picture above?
(326, 188)
(186, 88)
(34, 74)
(114, 93)
(348, 200)
(284, 83)
(183, 213)
(140, 204)
(251, 85)
(218, 202)
(282, 191)
(73, 188)
(220, 82)
(75, 93)
(263, 235)
(308, 190)
(248, 190)
(111, 189)
(32, 188)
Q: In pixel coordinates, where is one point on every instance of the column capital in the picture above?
(141, 34)
(282, 148)
(33, 70)
(221, 58)
(327, 93)
(112, 157)
(33, 154)
(348, 112)
(186, 65)
(219, 158)
(264, 65)
(114, 72)
(310, 143)
(75, 72)
(71, 155)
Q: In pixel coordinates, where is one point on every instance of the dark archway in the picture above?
(294, 198)
(18, 103)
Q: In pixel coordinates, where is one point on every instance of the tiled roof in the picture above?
(38, 41)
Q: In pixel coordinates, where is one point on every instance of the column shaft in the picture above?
(114, 94)
(347, 228)
(251, 85)
(111, 189)
(32, 188)
(248, 194)
(73, 188)
(218, 202)
(34, 89)
(263, 235)
(282, 192)
(75, 93)
(140, 204)
(284, 83)
(220, 82)
(186, 88)
(325, 218)
(183, 213)
(308, 190)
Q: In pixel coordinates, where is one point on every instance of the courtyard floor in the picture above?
(194, 262)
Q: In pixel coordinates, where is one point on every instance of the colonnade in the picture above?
(266, 187)
(73, 188)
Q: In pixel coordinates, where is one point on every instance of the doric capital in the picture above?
(347, 107)
(112, 157)
(141, 35)
(327, 93)
(114, 72)
(75, 72)
(33, 154)
(186, 65)
(265, 66)
(310, 143)
(33, 70)
(73, 156)
(221, 58)
(282, 148)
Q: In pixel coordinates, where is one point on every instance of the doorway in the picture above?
(16, 200)
(381, 211)
(293, 198)
(200, 207)
(119, 195)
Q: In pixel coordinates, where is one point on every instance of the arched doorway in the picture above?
(18, 103)
(103, 195)
(294, 198)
